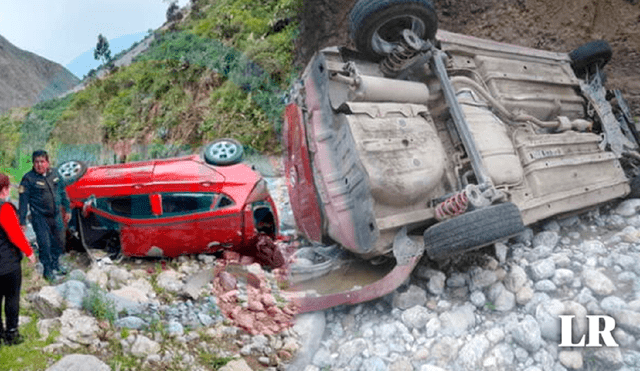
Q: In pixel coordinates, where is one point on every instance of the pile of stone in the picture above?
(159, 331)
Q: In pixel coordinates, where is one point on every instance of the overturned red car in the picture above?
(170, 207)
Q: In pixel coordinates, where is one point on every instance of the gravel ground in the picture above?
(498, 308)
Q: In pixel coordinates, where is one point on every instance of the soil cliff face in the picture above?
(26, 78)
(545, 24)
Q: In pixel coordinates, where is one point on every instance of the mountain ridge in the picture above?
(27, 78)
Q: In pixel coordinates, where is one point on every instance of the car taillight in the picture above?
(259, 192)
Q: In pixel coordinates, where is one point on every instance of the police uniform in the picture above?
(43, 195)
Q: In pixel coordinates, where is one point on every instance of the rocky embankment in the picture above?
(501, 311)
(167, 314)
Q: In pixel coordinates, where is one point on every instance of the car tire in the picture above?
(473, 230)
(380, 22)
(71, 171)
(587, 57)
(223, 152)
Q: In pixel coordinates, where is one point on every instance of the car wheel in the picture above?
(472, 230)
(223, 152)
(587, 57)
(71, 171)
(376, 25)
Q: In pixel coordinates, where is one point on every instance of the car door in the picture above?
(195, 222)
(132, 216)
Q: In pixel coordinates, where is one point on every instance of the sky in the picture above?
(66, 31)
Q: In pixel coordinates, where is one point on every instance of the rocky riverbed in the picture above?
(496, 308)
(499, 308)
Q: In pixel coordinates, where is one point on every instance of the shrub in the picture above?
(100, 306)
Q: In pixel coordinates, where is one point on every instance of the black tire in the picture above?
(587, 57)
(71, 171)
(473, 230)
(223, 152)
(376, 25)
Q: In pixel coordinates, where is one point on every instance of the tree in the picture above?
(173, 12)
(102, 50)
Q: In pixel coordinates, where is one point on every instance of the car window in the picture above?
(135, 206)
(186, 203)
(224, 201)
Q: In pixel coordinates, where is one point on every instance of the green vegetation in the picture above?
(221, 72)
(102, 50)
(214, 361)
(118, 359)
(22, 356)
(96, 303)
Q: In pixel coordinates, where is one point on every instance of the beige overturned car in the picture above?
(427, 141)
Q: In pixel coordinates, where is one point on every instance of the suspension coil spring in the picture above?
(452, 206)
(397, 59)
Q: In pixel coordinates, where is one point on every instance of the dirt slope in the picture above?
(546, 24)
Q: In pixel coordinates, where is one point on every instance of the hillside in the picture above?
(26, 78)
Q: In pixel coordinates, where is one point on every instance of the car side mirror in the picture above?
(87, 206)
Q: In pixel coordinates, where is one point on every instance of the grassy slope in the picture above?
(221, 72)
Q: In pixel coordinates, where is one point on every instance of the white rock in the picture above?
(79, 362)
(613, 304)
(527, 334)
(471, 353)
(170, 280)
(131, 293)
(610, 358)
(503, 300)
(481, 278)
(516, 278)
(118, 277)
(77, 328)
(546, 238)
(563, 277)
(236, 365)
(547, 314)
(48, 302)
(458, 321)
(502, 356)
(542, 269)
(593, 247)
(417, 316)
(98, 276)
(579, 321)
(524, 295)
(598, 282)
(628, 207)
(628, 320)
(143, 346)
(142, 285)
(571, 359)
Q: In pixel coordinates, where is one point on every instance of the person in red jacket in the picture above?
(13, 243)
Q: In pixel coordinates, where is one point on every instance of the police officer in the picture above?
(42, 191)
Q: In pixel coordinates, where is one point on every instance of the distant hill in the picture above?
(26, 78)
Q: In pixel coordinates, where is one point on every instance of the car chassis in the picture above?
(443, 143)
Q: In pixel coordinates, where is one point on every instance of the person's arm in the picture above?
(9, 222)
(64, 200)
(23, 200)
